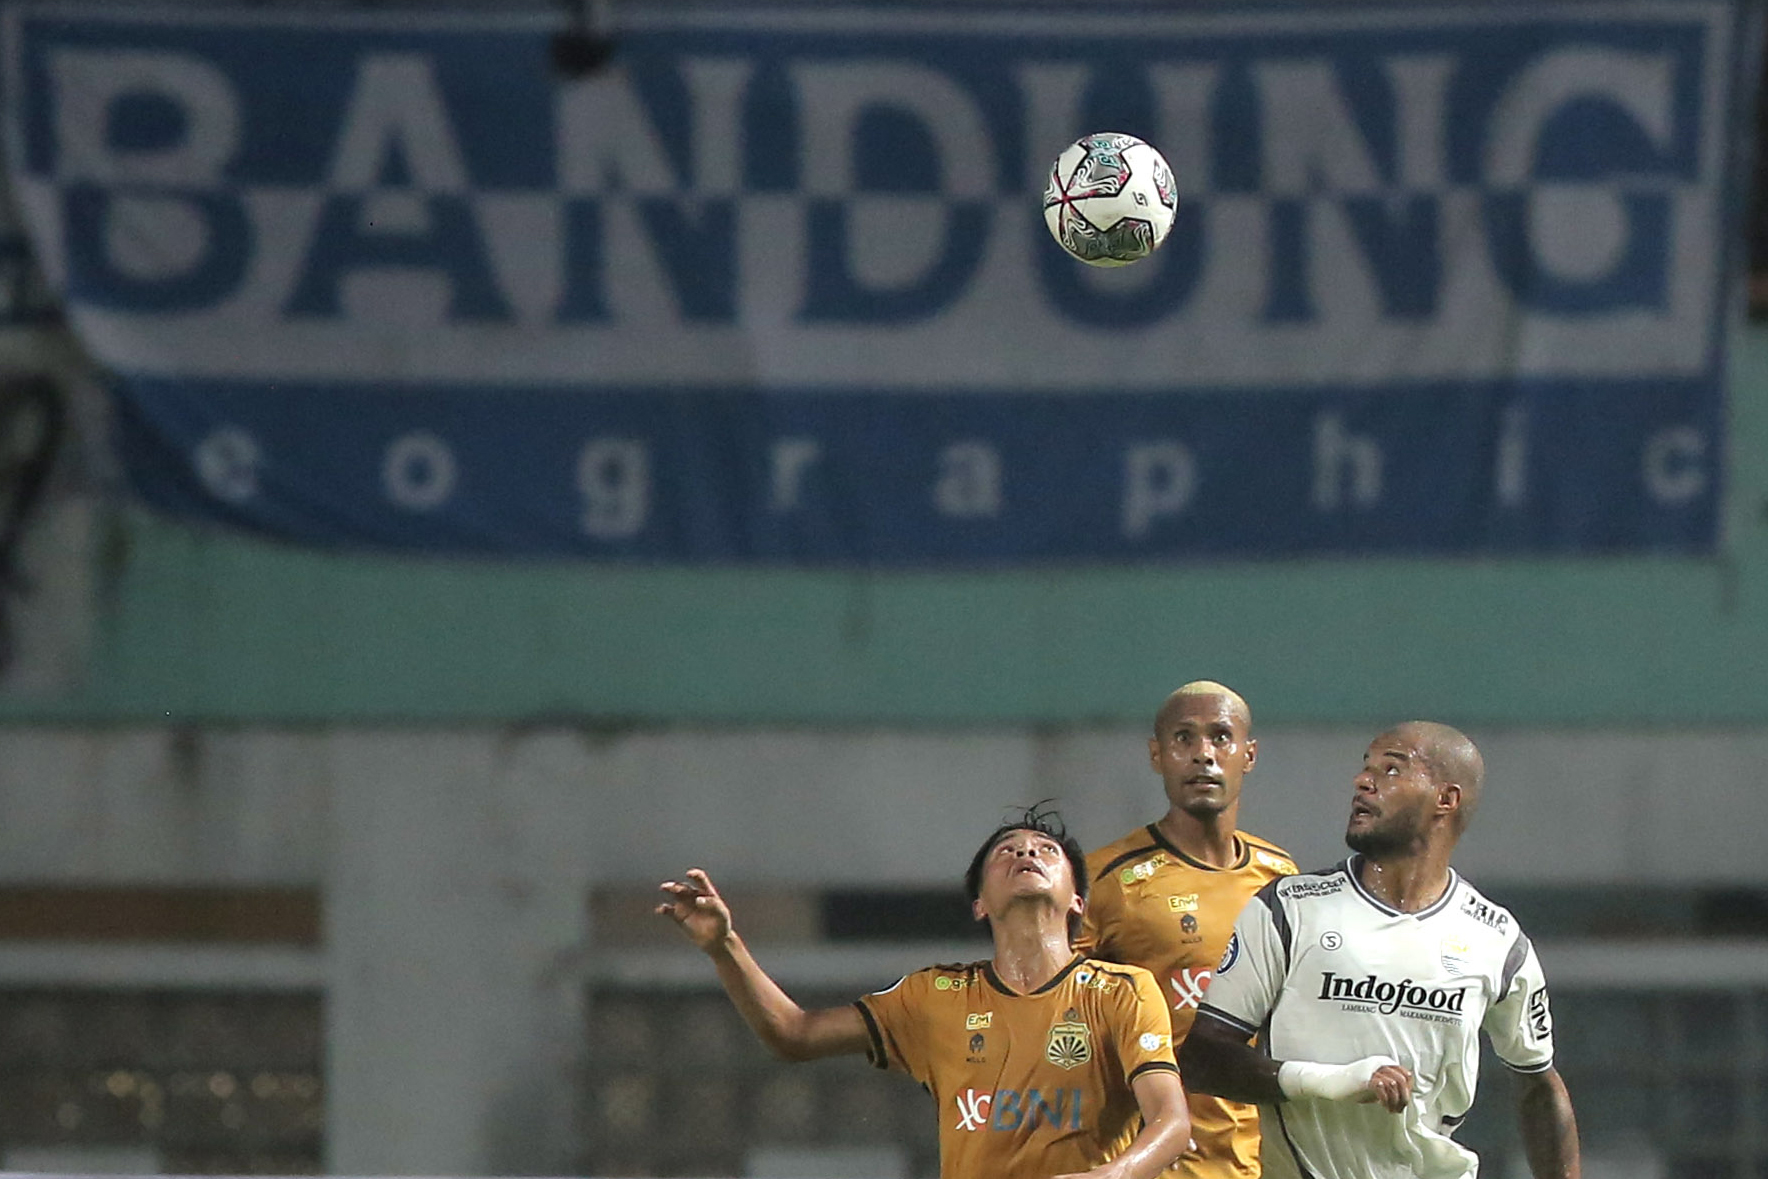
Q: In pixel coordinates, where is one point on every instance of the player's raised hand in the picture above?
(1391, 1085)
(697, 908)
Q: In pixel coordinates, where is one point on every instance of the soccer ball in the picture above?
(1111, 199)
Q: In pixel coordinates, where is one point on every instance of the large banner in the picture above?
(775, 287)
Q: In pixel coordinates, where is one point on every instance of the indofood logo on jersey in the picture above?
(1375, 994)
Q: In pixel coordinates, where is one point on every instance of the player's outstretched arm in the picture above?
(1166, 1130)
(789, 1031)
(1218, 1058)
(1549, 1131)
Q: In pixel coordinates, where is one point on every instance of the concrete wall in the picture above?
(575, 807)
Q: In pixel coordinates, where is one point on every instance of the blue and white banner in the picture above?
(776, 287)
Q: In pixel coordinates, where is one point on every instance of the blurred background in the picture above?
(463, 465)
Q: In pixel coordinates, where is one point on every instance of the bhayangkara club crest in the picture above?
(1070, 1043)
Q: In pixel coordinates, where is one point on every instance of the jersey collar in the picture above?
(994, 980)
(1350, 868)
(1243, 858)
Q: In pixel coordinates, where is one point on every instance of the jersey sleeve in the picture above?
(1520, 1023)
(1250, 975)
(895, 1026)
(1143, 1033)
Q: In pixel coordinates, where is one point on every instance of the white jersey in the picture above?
(1322, 971)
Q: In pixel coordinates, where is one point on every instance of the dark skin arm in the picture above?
(1549, 1131)
(1219, 1058)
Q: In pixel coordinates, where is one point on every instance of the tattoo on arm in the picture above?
(1549, 1129)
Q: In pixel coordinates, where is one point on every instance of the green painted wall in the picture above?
(200, 626)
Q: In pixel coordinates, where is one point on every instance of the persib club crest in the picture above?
(1230, 955)
(1071, 1043)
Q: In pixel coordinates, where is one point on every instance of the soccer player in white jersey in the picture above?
(1367, 986)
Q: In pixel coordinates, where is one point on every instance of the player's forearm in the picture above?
(1213, 1062)
(1549, 1129)
(776, 1019)
(1163, 1139)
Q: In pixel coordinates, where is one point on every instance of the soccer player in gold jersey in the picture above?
(1165, 896)
(1041, 1063)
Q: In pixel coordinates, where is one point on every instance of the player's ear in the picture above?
(1251, 751)
(1154, 753)
(1448, 798)
(976, 911)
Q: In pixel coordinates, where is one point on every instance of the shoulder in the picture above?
(1299, 887)
(1267, 856)
(1118, 971)
(935, 981)
(1489, 932)
(1123, 853)
(1116, 978)
(1479, 909)
(1481, 920)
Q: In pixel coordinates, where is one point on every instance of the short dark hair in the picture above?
(1044, 820)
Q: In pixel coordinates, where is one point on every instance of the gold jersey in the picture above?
(1153, 906)
(1026, 1085)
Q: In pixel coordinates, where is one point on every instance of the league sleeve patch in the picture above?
(1540, 1016)
(1231, 955)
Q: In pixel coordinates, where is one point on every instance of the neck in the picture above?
(1030, 946)
(1408, 881)
(1208, 840)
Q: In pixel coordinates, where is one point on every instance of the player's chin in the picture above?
(1205, 802)
(1362, 837)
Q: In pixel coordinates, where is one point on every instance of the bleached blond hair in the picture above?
(1236, 702)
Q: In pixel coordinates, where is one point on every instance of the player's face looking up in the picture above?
(1201, 749)
(1025, 864)
(1396, 796)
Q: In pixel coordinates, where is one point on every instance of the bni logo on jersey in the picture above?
(1010, 1109)
(1375, 994)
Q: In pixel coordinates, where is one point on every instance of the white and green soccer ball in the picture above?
(1111, 199)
